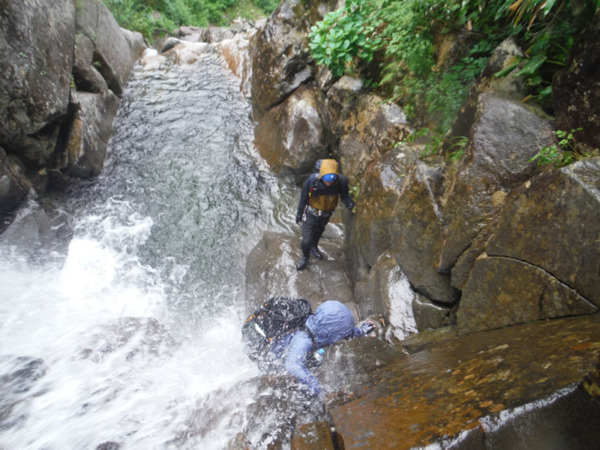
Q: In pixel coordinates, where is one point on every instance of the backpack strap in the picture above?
(314, 186)
(310, 335)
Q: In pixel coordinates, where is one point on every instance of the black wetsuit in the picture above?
(314, 222)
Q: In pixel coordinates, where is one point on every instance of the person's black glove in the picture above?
(298, 220)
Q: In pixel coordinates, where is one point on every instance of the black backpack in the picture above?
(273, 319)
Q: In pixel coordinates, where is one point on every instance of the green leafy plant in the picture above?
(430, 138)
(559, 155)
(459, 144)
(146, 16)
(406, 34)
(343, 35)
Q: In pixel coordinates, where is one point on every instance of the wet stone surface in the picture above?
(453, 386)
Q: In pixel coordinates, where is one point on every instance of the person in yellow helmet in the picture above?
(318, 200)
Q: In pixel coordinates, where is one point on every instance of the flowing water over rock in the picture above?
(121, 305)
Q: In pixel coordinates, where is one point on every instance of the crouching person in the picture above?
(331, 322)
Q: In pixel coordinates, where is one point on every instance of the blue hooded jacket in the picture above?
(331, 322)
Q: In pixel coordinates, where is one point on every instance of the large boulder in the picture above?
(505, 135)
(368, 129)
(543, 260)
(36, 57)
(115, 50)
(575, 89)
(88, 136)
(342, 96)
(505, 56)
(378, 191)
(416, 231)
(52, 53)
(551, 223)
(504, 291)
(480, 384)
(292, 136)
(387, 296)
(281, 59)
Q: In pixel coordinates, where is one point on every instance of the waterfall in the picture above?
(121, 302)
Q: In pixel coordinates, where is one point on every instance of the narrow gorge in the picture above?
(148, 199)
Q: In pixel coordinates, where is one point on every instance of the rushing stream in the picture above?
(117, 334)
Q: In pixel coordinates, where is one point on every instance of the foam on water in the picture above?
(123, 336)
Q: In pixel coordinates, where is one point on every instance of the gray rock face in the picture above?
(114, 54)
(36, 57)
(504, 291)
(543, 260)
(417, 232)
(279, 51)
(86, 76)
(280, 57)
(90, 131)
(504, 136)
(62, 66)
(379, 190)
(368, 129)
(552, 224)
(292, 136)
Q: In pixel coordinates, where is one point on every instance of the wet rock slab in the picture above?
(462, 384)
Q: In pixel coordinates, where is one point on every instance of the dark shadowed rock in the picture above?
(59, 62)
(428, 315)
(558, 421)
(504, 136)
(292, 136)
(36, 57)
(575, 89)
(90, 130)
(86, 76)
(14, 185)
(416, 232)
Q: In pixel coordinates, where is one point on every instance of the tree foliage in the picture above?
(406, 32)
(146, 16)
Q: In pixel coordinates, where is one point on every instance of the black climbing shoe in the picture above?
(302, 264)
(316, 253)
